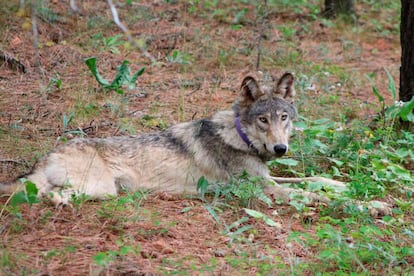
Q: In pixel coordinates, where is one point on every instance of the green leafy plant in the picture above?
(54, 82)
(122, 77)
(262, 216)
(121, 203)
(349, 246)
(66, 121)
(400, 110)
(105, 258)
(180, 58)
(29, 195)
(236, 229)
(245, 188)
(112, 43)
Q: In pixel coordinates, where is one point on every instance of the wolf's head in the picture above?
(265, 115)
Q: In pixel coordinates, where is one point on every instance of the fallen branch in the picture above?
(88, 129)
(12, 62)
(10, 161)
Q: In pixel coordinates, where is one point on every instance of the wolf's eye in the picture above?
(263, 120)
(284, 117)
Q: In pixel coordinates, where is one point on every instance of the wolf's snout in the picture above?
(280, 149)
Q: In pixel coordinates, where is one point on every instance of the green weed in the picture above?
(106, 258)
(247, 189)
(122, 77)
(153, 122)
(29, 195)
(120, 204)
(54, 83)
(111, 43)
(261, 216)
(375, 161)
(180, 58)
(348, 246)
(67, 131)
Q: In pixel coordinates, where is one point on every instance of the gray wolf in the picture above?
(218, 148)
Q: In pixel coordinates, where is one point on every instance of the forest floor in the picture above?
(203, 51)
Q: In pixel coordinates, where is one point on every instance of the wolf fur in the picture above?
(174, 160)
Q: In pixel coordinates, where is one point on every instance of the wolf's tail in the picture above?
(10, 188)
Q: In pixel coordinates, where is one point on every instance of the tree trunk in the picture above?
(407, 51)
(335, 7)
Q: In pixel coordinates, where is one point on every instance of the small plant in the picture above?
(55, 83)
(108, 43)
(400, 110)
(121, 204)
(153, 122)
(245, 188)
(112, 43)
(122, 77)
(288, 32)
(67, 132)
(236, 229)
(349, 246)
(104, 259)
(29, 195)
(261, 216)
(180, 58)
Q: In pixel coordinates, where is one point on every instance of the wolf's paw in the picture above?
(61, 198)
(378, 208)
(278, 193)
(286, 195)
(314, 198)
(374, 208)
(63, 205)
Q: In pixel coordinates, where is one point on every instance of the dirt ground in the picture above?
(161, 234)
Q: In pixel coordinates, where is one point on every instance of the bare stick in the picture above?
(11, 62)
(127, 32)
(259, 40)
(73, 6)
(35, 35)
(10, 161)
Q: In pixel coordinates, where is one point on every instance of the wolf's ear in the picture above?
(285, 88)
(250, 90)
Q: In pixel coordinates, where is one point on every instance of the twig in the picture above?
(259, 40)
(128, 33)
(10, 161)
(12, 62)
(89, 128)
(73, 6)
(35, 35)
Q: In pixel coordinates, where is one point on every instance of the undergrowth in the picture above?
(377, 162)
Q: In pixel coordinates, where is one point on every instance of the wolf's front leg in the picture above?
(286, 194)
(278, 192)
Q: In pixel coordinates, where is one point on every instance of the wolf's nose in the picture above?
(280, 149)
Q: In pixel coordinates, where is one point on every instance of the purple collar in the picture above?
(242, 133)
